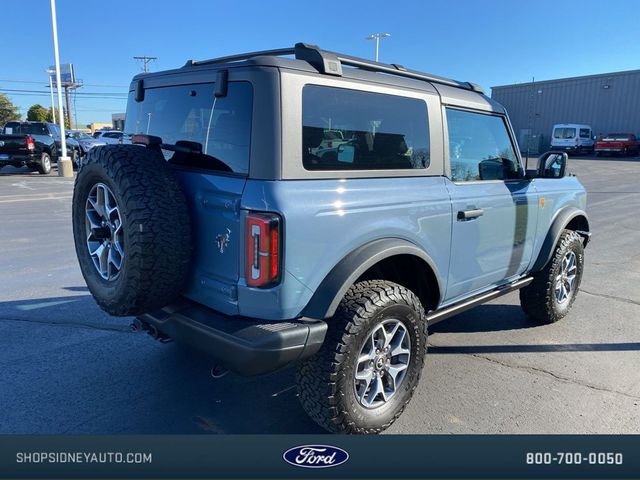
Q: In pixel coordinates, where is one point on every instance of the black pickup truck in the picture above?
(33, 144)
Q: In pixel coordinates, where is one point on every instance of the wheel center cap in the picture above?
(380, 361)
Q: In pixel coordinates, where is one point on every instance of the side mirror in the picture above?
(552, 164)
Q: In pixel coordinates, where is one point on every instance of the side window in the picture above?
(346, 129)
(55, 131)
(215, 132)
(480, 147)
(585, 133)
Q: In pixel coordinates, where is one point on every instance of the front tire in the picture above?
(554, 289)
(365, 374)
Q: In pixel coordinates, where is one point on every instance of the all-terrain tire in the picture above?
(44, 166)
(538, 299)
(156, 228)
(326, 381)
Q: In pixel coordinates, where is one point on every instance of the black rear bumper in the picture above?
(245, 346)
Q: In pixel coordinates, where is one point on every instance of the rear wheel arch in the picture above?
(569, 218)
(391, 259)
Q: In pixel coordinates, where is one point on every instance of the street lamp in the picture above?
(53, 110)
(65, 167)
(377, 37)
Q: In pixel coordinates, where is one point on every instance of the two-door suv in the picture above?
(235, 222)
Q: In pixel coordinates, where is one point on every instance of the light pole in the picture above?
(377, 37)
(53, 109)
(65, 168)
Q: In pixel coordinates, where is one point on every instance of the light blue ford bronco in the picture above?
(300, 206)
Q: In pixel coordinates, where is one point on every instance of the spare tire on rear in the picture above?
(131, 228)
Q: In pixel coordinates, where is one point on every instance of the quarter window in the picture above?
(346, 129)
(480, 147)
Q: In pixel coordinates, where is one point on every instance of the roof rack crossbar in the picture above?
(331, 63)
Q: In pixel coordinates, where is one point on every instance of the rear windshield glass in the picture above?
(216, 132)
(619, 137)
(352, 130)
(27, 128)
(564, 133)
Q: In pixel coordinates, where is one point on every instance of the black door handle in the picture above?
(470, 214)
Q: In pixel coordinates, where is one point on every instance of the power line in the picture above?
(40, 82)
(79, 93)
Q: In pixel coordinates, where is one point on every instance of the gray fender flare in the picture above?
(332, 289)
(559, 223)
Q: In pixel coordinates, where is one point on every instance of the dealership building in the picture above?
(608, 102)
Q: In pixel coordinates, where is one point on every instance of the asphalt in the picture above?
(66, 367)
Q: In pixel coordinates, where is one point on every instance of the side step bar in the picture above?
(460, 307)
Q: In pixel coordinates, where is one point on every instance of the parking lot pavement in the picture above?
(66, 367)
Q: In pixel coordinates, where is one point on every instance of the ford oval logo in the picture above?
(315, 456)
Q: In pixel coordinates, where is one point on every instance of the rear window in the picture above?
(617, 137)
(217, 131)
(27, 128)
(564, 133)
(373, 131)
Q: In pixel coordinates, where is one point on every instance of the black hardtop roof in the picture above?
(311, 58)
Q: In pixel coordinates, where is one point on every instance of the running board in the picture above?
(460, 307)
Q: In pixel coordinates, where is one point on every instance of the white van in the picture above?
(572, 137)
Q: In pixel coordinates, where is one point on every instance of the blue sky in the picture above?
(491, 42)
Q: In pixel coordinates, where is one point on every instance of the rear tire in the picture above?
(554, 289)
(331, 386)
(44, 167)
(131, 229)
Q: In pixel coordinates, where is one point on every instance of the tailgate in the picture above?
(13, 144)
(214, 203)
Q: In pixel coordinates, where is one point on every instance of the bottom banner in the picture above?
(267, 456)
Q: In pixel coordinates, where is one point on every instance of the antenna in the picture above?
(145, 61)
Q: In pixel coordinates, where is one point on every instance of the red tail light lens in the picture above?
(31, 145)
(263, 249)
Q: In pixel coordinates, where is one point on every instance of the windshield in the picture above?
(80, 136)
(564, 133)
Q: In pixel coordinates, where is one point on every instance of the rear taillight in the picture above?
(263, 249)
(31, 145)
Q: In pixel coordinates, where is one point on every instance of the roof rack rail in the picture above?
(330, 63)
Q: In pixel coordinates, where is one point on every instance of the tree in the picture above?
(8, 111)
(38, 113)
(66, 119)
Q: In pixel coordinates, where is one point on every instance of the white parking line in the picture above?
(32, 199)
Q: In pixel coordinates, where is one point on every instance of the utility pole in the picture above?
(145, 61)
(377, 37)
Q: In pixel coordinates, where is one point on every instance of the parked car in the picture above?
(109, 136)
(620, 143)
(220, 228)
(572, 137)
(85, 141)
(35, 145)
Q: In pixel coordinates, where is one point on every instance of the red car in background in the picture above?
(621, 143)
